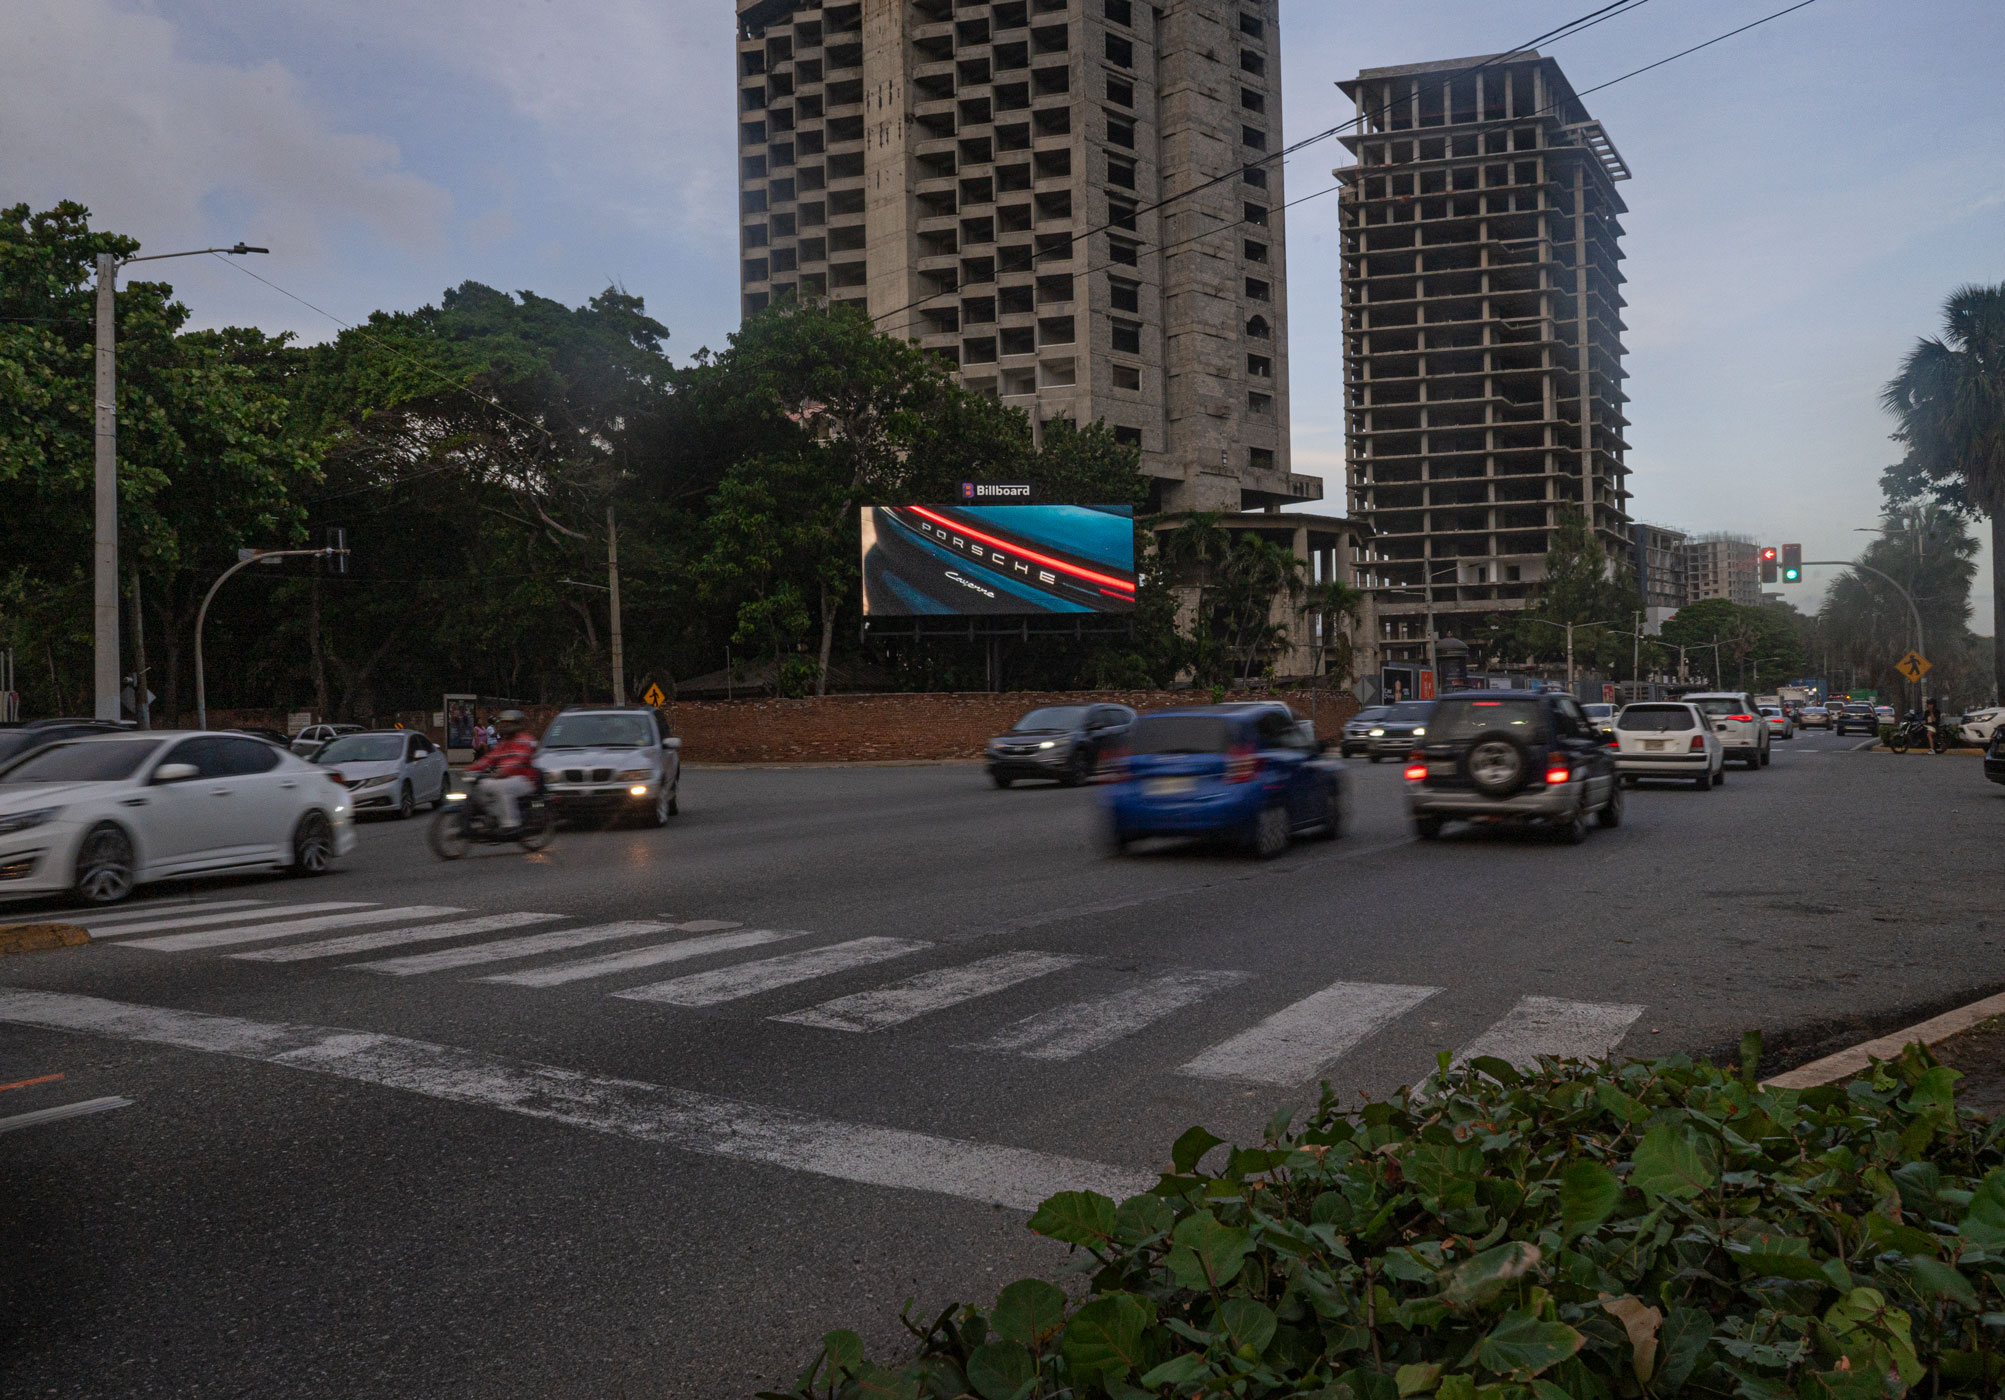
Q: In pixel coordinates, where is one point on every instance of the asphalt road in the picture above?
(881, 1011)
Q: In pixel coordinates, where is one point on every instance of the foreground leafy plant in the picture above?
(1649, 1228)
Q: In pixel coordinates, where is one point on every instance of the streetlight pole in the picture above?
(1569, 626)
(104, 542)
(1914, 610)
(250, 556)
(613, 587)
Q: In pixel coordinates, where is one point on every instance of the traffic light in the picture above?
(1768, 563)
(1792, 563)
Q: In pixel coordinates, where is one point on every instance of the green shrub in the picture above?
(1658, 1228)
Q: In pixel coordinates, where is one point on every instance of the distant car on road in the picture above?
(1602, 717)
(1741, 727)
(1358, 728)
(1815, 717)
(1513, 756)
(18, 742)
(613, 760)
(388, 770)
(1884, 714)
(1855, 718)
(1780, 725)
(1668, 739)
(313, 736)
(1395, 735)
(1254, 774)
(1064, 743)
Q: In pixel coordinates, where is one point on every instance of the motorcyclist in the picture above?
(512, 769)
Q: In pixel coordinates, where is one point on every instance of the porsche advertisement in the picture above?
(947, 561)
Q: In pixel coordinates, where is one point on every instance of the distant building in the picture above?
(1662, 575)
(1724, 566)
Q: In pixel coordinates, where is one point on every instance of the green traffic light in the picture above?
(1792, 575)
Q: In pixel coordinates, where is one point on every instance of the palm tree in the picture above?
(1949, 400)
(1335, 606)
(1257, 574)
(1192, 554)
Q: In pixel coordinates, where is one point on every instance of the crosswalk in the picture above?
(722, 963)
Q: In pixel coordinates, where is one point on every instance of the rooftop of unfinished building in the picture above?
(1448, 65)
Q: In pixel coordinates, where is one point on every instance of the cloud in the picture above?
(97, 105)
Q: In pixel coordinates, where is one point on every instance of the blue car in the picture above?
(1254, 774)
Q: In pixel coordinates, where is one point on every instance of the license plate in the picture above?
(1655, 745)
(1172, 787)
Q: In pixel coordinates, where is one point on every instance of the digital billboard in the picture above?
(949, 561)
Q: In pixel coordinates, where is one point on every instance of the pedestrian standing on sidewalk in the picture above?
(480, 743)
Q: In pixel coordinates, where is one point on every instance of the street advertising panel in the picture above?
(956, 561)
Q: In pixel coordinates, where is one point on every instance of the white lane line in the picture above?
(1067, 1032)
(391, 938)
(240, 916)
(476, 953)
(899, 1002)
(61, 1111)
(674, 1118)
(606, 964)
(709, 925)
(1300, 1041)
(151, 909)
(1549, 1026)
(749, 979)
(258, 933)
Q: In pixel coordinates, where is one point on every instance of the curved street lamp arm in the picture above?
(202, 613)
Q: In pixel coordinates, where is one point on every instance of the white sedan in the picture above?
(1979, 725)
(100, 816)
(1668, 739)
(388, 770)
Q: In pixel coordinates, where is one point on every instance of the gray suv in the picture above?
(1524, 757)
(1064, 743)
(613, 760)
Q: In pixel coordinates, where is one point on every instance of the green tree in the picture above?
(1949, 403)
(1757, 648)
(1580, 585)
(1334, 609)
(1930, 550)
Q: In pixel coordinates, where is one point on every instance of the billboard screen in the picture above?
(949, 561)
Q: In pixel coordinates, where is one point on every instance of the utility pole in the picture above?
(613, 587)
(1569, 626)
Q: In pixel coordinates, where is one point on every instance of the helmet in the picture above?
(511, 719)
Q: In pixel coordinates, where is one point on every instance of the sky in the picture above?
(1805, 194)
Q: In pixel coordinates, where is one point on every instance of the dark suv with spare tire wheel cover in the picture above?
(1517, 756)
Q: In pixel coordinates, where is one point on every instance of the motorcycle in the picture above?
(464, 820)
(1914, 732)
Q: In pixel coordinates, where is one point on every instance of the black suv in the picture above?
(1859, 717)
(19, 742)
(1994, 756)
(1521, 756)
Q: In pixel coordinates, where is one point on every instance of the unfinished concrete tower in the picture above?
(984, 178)
(1483, 334)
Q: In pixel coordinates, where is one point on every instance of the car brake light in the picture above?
(1742, 719)
(1242, 765)
(1416, 771)
(1698, 743)
(1559, 775)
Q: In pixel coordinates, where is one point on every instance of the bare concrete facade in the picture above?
(1483, 353)
(985, 179)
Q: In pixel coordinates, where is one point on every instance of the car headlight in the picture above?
(636, 775)
(21, 821)
(1419, 733)
(376, 781)
(1378, 734)
(1049, 744)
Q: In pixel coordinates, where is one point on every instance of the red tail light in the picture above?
(1416, 771)
(1698, 743)
(1559, 775)
(1242, 765)
(1742, 719)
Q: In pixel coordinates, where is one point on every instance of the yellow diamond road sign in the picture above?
(1914, 666)
(654, 696)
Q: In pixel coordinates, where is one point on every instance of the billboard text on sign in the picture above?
(948, 561)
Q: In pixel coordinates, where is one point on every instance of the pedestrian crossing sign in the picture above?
(1914, 666)
(654, 696)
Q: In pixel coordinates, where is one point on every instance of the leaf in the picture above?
(1460, 1387)
(1189, 1149)
(1187, 1369)
(1416, 1378)
(1618, 1104)
(1641, 1323)
(1684, 1336)
(1674, 1161)
(1029, 1311)
(1775, 1256)
(845, 1350)
(1001, 1371)
(1141, 1218)
(1076, 1217)
(876, 1383)
(1588, 1195)
(1935, 1279)
(1521, 1346)
(1249, 1323)
(1208, 1255)
(1984, 1222)
(1481, 1277)
(1443, 1171)
(1750, 1064)
(1104, 1340)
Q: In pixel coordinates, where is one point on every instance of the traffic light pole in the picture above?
(201, 692)
(1913, 610)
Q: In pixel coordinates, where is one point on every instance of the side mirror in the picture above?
(671, 743)
(176, 772)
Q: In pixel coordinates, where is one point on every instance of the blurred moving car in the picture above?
(1064, 743)
(1668, 739)
(1780, 725)
(1358, 728)
(1979, 726)
(101, 815)
(1815, 717)
(614, 760)
(1403, 725)
(1857, 718)
(314, 735)
(19, 741)
(1994, 757)
(388, 770)
(1512, 756)
(1741, 726)
(1255, 774)
(1602, 717)
(1884, 714)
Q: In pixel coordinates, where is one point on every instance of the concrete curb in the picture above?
(39, 938)
(1846, 1063)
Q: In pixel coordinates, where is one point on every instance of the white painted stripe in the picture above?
(1549, 1026)
(390, 938)
(150, 909)
(1300, 1041)
(1066, 1032)
(474, 954)
(606, 964)
(899, 1002)
(749, 979)
(61, 1111)
(258, 933)
(240, 916)
(709, 925)
(674, 1118)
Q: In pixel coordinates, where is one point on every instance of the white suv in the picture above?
(1744, 733)
(615, 759)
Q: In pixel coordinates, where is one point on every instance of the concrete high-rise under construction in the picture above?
(1483, 322)
(1072, 201)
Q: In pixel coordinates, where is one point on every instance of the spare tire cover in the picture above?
(1497, 765)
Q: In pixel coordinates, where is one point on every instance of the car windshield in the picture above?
(20, 741)
(1655, 719)
(1052, 717)
(1469, 719)
(1858, 709)
(363, 748)
(1410, 712)
(598, 732)
(1598, 711)
(1717, 705)
(1181, 734)
(1376, 712)
(87, 761)
(1770, 711)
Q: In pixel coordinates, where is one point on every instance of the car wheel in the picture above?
(1765, 754)
(1427, 828)
(407, 804)
(1575, 831)
(1705, 781)
(312, 844)
(1078, 771)
(675, 799)
(1113, 841)
(445, 788)
(1378, 758)
(1333, 822)
(1629, 782)
(105, 865)
(1271, 832)
(1611, 811)
(657, 815)
(1001, 780)
(1720, 778)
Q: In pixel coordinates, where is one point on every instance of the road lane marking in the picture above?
(675, 1118)
(152, 909)
(709, 925)
(61, 1111)
(240, 916)
(606, 964)
(1550, 1026)
(29, 1083)
(1300, 1041)
(749, 979)
(391, 938)
(259, 933)
(1067, 1032)
(501, 950)
(899, 1002)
